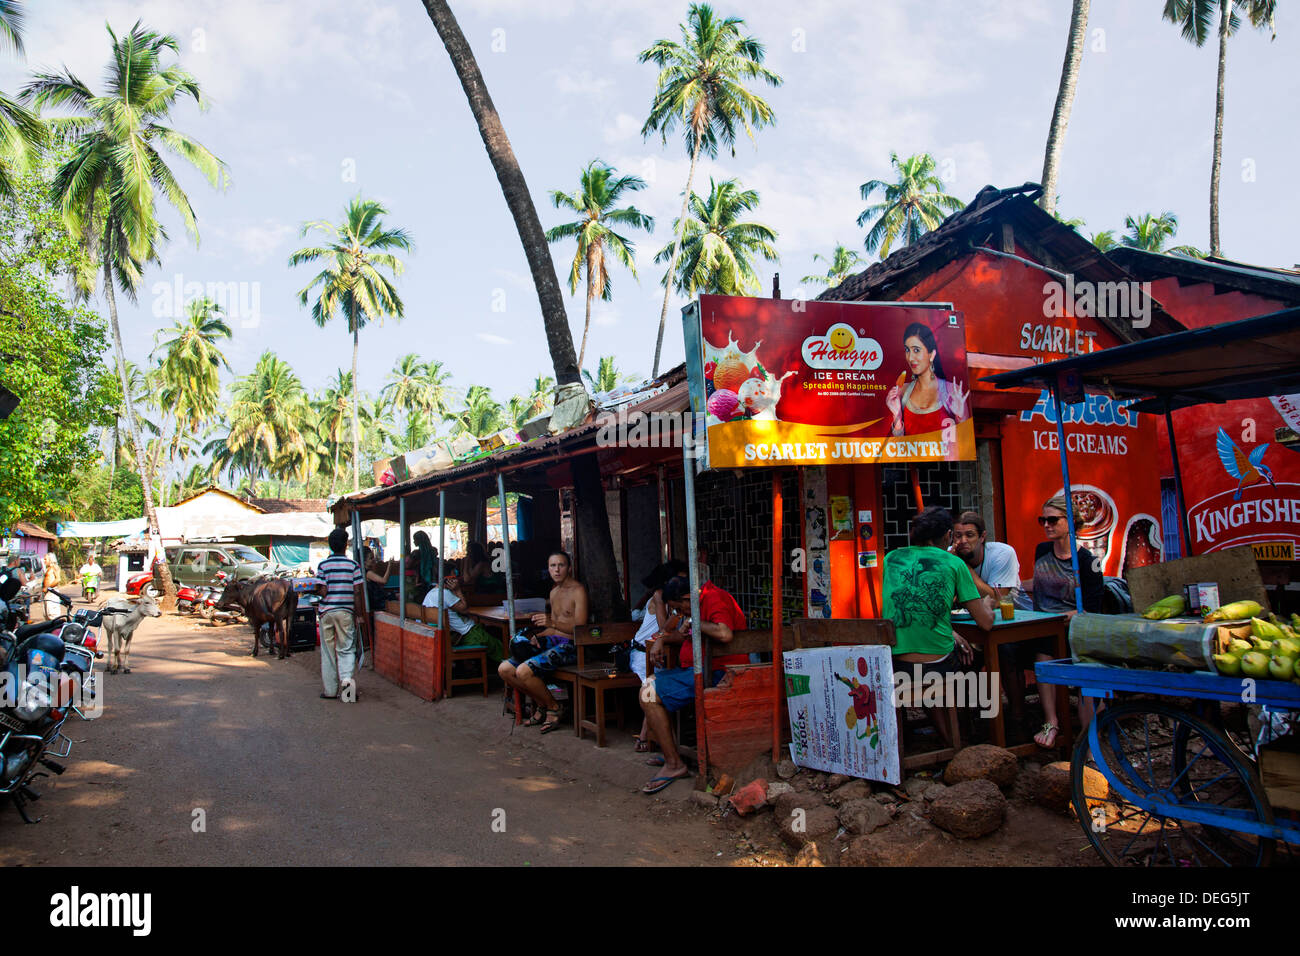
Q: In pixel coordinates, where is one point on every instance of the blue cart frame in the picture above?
(1168, 803)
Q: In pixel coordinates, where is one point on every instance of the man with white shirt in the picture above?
(463, 630)
(994, 565)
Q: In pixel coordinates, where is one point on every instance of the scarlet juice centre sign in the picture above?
(784, 381)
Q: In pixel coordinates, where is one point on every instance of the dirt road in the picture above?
(207, 756)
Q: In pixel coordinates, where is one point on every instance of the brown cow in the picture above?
(264, 601)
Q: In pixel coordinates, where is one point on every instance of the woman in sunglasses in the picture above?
(1054, 582)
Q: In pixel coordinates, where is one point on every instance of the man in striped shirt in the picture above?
(341, 602)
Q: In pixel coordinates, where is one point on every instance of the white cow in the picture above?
(119, 627)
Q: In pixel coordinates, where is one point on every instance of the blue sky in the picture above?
(312, 103)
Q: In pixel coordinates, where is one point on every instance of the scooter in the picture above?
(209, 611)
(188, 599)
(89, 587)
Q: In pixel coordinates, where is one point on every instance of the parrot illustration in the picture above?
(1247, 470)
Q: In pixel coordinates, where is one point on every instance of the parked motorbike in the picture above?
(209, 610)
(188, 599)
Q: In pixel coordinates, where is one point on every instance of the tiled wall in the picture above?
(734, 514)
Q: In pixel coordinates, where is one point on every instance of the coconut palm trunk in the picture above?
(595, 541)
(1216, 164)
(151, 516)
(1064, 103)
(677, 251)
(356, 428)
(593, 254)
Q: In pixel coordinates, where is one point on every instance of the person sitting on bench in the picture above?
(668, 691)
(554, 641)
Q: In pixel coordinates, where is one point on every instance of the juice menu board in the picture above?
(790, 382)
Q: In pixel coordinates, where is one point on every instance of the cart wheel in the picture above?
(1180, 766)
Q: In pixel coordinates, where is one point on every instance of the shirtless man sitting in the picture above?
(554, 641)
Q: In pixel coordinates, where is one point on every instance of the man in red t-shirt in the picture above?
(667, 691)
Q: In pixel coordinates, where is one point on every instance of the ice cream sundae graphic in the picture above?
(1094, 519)
(737, 386)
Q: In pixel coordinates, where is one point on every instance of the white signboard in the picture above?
(841, 703)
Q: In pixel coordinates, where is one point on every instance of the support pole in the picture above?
(697, 638)
(1178, 482)
(1069, 501)
(778, 565)
(358, 556)
(505, 547)
(442, 548)
(401, 575)
(665, 533)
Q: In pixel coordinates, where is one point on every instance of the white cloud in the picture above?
(259, 241)
(492, 339)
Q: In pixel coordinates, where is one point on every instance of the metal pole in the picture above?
(1069, 501)
(402, 549)
(665, 533)
(365, 591)
(697, 639)
(442, 548)
(778, 528)
(1178, 481)
(505, 547)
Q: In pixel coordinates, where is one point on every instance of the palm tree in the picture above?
(1064, 102)
(105, 190)
(335, 410)
(482, 414)
(839, 265)
(419, 391)
(598, 192)
(21, 131)
(1150, 233)
(190, 368)
(539, 399)
(607, 376)
(913, 204)
(1196, 17)
(702, 84)
(1104, 240)
(572, 403)
(718, 251)
(351, 281)
(267, 415)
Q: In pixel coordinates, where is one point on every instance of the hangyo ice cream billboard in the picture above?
(792, 382)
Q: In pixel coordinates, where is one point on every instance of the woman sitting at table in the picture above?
(1054, 583)
(423, 561)
(921, 584)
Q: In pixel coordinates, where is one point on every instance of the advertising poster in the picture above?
(1241, 486)
(841, 704)
(1113, 480)
(791, 382)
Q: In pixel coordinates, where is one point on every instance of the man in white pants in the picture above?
(341, 603)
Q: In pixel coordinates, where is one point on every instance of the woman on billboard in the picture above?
(928, 400)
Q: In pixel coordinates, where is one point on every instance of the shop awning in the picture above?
(1248, 358)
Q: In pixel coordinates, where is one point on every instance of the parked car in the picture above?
(197, 564)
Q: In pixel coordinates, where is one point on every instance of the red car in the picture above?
(141, 581)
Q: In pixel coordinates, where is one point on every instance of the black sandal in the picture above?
(537, 718)
(552, 724)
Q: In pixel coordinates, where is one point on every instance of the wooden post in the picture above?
(697, 640)
(404, 531)
(778, 562)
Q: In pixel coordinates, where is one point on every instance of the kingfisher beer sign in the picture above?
(791, 382)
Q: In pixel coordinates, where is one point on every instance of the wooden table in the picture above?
(1026, 625)
(498, 617)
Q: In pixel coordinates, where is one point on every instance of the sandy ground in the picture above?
(283, 777)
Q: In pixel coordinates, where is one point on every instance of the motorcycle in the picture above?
(212, 594)
(89, 587)
(188, 599)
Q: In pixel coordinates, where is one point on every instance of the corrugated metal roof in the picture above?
(1280, 284)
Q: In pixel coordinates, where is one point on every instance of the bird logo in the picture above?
(1248, 470)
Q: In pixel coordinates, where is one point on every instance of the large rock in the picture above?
(863, 816)
(776, 788)
(1055, 789)
(983, 762)
(786, 769)
(837, 780)
(908, 842)
(969, 809)
(814, 823)
(932, 792)
(853, 790)
(787, 803)
(703, 799)
(915, 786)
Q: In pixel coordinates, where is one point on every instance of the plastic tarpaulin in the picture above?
(1184, 643)
(126, 528)
(290, 553)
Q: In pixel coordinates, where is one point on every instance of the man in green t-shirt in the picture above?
(922, 583)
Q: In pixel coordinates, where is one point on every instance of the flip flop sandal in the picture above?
(644, 746)
(655, 762)
(663, 783)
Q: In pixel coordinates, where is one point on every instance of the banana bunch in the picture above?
(1167, 607)
(1236, 611)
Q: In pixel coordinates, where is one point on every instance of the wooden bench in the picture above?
(598, 677)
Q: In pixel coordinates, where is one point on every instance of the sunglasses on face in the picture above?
(1045, 521)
